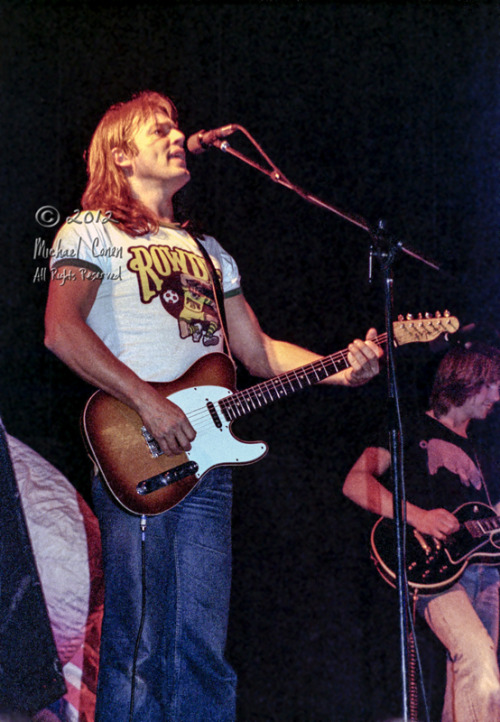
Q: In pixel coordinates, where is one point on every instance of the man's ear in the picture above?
(122, 159)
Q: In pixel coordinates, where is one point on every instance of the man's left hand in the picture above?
(364, 359)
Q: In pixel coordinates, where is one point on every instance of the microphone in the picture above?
(202, 140)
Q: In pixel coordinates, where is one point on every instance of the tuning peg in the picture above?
(428, 315)
(401, 317)
(447, 314)
(438, 314)
(409, 317)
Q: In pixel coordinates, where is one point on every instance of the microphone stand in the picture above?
(385, 248)
(277, 176)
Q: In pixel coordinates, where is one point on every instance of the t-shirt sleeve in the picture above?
(231, 281)
(85, 245)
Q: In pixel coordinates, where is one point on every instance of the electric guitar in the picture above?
(432, 565)
(146, 481)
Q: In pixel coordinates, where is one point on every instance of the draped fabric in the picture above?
(66, 544)
(30, 670)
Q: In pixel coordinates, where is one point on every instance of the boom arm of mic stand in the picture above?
(278, 177)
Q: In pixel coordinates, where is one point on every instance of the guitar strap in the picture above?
(218, 293)
(485, 485)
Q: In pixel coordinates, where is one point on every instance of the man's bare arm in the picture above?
(363, 487)
(69, 337)
(264, 356)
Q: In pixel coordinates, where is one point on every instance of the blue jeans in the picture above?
(465, 619)
(181, 673)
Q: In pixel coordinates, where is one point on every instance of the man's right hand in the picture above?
(438, 523)
(168, 424)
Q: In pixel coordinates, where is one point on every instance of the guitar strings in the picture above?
(247, 400)
(254, 397)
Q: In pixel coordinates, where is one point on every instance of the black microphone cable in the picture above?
(143, 616)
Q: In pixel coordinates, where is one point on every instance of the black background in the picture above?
(389, 111)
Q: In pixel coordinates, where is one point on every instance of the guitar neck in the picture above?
(407, 330)
(245, 402)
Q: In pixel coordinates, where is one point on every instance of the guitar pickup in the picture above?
(153, 445)
(418, 536)
(168, 477)
(215, 416)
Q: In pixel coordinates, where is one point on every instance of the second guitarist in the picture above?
(442, 473)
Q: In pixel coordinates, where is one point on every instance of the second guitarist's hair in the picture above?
(461, 374)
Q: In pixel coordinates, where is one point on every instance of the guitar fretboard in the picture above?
(249, 400)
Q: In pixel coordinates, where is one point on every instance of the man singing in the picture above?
(139, 309)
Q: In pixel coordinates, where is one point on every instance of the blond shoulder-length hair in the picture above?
(107, 187)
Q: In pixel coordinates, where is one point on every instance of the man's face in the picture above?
(160, 158)
(480, 404)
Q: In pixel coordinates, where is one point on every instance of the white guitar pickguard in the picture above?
(214, 446)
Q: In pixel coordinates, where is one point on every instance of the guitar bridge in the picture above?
(153, 445)
(169, 477)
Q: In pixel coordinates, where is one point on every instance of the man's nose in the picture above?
(175, 134)
(495, 394)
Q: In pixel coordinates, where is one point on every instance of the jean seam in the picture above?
(176, 665)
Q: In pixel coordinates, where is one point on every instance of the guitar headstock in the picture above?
(423, 328)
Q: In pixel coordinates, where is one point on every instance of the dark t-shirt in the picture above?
(441, 468)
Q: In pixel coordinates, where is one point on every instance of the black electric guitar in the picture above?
(432, 565)
(146, 481)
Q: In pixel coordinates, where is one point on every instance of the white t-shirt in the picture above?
(155, 307)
